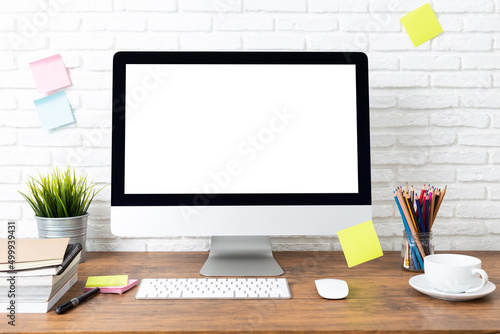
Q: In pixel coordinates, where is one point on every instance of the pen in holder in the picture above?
(418, 214)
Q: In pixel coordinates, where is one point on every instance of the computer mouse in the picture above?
(331, 288)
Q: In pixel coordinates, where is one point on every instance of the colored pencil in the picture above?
(407, 255)
(412, 196)
(432, 199)
(412, 229)
(412, 213)
(422, 192)
(425, 216)
(409, 232)
(420, 217)
(427, 204)
(438, 195)
(438, 205)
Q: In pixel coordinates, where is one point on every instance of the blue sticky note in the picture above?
(54, 111)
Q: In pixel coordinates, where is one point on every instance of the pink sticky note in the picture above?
(50, 74)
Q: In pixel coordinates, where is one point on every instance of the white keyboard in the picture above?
(213, 288)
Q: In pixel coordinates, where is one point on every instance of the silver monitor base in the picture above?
(241, 256)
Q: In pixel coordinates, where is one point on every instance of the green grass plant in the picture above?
(60, 194)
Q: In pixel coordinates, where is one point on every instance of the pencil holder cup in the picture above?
(414, 248)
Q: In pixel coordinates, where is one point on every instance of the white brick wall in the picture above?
(435, 110)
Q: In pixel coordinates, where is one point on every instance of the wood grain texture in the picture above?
(380, 300)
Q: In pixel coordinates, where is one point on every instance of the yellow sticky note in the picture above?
(98, 281)
(421, 24)
(360, 243)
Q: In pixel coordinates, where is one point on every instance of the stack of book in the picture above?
(45, 269)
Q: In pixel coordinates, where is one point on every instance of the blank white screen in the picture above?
(240, 129)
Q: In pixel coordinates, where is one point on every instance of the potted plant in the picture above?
(60, 201)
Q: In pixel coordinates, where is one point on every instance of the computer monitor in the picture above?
(239, 146)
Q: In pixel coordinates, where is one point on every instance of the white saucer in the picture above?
(421, 284)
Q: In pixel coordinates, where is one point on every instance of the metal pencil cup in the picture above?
(414, 247)
(74, 228)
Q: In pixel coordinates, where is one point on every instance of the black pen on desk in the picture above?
(76, 301)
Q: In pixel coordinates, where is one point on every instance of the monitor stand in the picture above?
(241, 256)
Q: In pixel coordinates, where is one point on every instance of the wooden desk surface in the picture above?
(380, 300)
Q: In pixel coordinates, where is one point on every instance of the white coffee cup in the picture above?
(454, 273)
